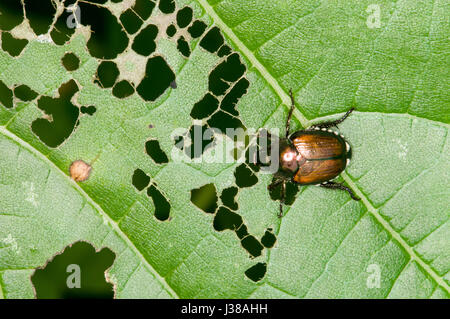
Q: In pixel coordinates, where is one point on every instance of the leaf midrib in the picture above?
(273, 83)
(114, 225)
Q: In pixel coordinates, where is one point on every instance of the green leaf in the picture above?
(327, 245)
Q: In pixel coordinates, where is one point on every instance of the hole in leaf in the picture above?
(154, 150)
(162, 205)
(144, 43)
(205, 107)
(244, 176)
(183, 47)
(171, 30)
(11, 12)
(6, 96)
(226, 219)
(252, 245)
(12, 45)
(107, 74)
(256, 272)
(225, 73)
(212, 41)
(70, 61)
(197, 28)
(144, 8)
(228, 197)
(90, 110)
(205, 198)
(131, 21)
(64, 116)
(108, 39)
(224, 121)
(40, 14)
(224, 51)
(61, 32)
(291, 193)
(78, 272)
(184, 17)
(242, 231)
(140, 180)
(200, 141)
(158, 77)
(230, 100)
(167, 6)
(268, 239)
(24, 93)
(123, 89)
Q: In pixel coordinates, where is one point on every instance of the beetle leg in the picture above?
(274, 184)
(283, 195)
(333, 123)
(288, 121)
(334, 185)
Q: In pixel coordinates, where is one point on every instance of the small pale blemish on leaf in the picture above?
(31, 195)
(11, 242)
(403, 149)
(80, 171)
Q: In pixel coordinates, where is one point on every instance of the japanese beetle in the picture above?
(313, 156)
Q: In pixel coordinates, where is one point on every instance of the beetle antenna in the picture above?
(283, 196)
(288, 121)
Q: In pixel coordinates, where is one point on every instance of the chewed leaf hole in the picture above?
(144, 8)
(140, 180)
(89, 110)
(158, 77)
(154, 150)
(225, 73)
(245, 177)
(167, 6)
(130, 21)
(24, 93)
(162, 205)
(212, 41)
(197, 28)
(252, 245)
(205, 107)
(228, 198)
(226, 219)
(242, 231)
(184, 17)
(171, 30)
(123, 89)
(191, 144)
(108, 38)
(183, 47)
(268, 239)
(256, 272)
(40, 15)
(107, 74)
(291, 192)
(61, 116)
(205, 198)
(144, 43)
(70, 61)
(12, 14)
(78, 272)
(6, 96)
(12, 45)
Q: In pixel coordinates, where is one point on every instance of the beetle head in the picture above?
(288, 157)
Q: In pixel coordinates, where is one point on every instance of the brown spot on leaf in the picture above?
(80, 171)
